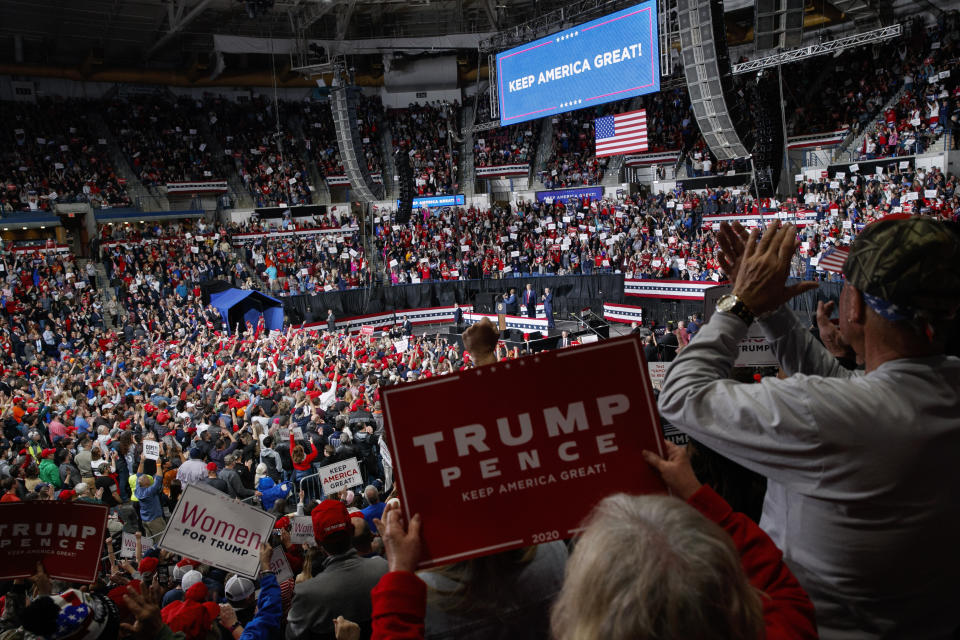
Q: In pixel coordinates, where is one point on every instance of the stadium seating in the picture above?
(51, 154)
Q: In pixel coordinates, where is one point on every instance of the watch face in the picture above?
(726, 303)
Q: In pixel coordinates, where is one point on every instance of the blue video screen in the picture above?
(608, 59)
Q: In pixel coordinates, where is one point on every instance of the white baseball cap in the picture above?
(190, 578)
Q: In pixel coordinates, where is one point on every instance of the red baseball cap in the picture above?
(330, 520)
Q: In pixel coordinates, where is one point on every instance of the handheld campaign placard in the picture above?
(340, 475)
(480, 454)
(151, 449)
(301, 530)
(128, 545)
(66, 536)
(755, 349)
(211, 527)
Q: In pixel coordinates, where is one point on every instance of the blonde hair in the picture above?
(654, 567)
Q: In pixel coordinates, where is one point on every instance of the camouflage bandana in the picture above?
(912, 265)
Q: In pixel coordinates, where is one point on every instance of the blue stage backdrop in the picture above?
(608, 59)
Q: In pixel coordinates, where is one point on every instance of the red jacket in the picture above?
(400, 598)
(305, 465)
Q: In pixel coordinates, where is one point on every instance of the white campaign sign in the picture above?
(280, 565)
(128, 548)
(151, 449)
(211, 527)
(301, 530)
(340, 476)
(658, 371)
(755, 350)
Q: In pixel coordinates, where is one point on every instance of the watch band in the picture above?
(732, 304)
(740, 310)
(235, 625)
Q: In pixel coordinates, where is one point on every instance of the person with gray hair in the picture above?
(375, 509)
(684, 568)
(844, 452)
(644, 568)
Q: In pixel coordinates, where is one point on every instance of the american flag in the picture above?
(833, 259)
(621, 133)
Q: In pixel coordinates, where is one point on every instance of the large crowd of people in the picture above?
(512, 144)
(786, 518)
(162, 139)
(255, 414)
(269, 160)
(572, 161)
(318, 127)
(51, 153)
(423, 132)
(306, 264)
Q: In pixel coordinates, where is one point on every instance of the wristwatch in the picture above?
(730, 303)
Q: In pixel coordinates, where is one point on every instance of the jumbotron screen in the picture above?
(610, 58)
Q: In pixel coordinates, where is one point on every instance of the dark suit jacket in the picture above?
(651, 353)
(668, 347)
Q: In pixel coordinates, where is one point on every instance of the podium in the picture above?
(501, 308)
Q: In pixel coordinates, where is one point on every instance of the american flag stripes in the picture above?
(833, 259)
(621, 133)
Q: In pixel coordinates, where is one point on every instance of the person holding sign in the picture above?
(735, 559)
(148, 493)
(844, 451)
(302, 461)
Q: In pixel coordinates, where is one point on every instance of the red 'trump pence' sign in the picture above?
(66, 537)
(479, 454)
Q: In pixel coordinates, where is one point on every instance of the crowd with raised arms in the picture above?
(253, 414)
(221, 407)
(51, 153)
(270, 162)
(423, 132)
(162, 139)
